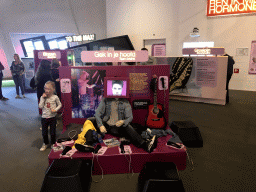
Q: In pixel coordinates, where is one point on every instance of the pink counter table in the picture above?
(112, 162)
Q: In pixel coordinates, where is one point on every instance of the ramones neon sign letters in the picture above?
(229, 7)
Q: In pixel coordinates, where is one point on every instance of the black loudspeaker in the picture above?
(68, 175)
(159, 176)
(188, 133)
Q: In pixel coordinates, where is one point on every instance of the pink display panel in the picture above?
(87, 90)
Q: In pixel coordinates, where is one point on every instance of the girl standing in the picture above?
(50, 104)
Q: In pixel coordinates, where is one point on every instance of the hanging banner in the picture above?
(229, 7)
(114, 56)
(252, 63)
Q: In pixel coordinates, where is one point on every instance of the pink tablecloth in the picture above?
(112, 162)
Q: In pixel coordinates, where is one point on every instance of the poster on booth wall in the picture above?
(87, 91)
(158, 50)
(252, 63)
(29, 72)
(199, 79)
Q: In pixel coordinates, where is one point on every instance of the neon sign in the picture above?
(79, 38)
(203, 51)
(228, 7)
(49, 55)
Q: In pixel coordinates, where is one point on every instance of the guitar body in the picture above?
(155, 120)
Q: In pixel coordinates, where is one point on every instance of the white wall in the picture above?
(44, 16)
(230, 32)
(174, 20)
(140, 19)
(143, 19)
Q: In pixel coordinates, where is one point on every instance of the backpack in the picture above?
(32, 83)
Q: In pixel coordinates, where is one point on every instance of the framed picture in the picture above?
(242, 51)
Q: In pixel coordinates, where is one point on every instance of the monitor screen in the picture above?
(116, 87)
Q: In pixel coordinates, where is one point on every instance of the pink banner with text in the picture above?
(114, 56)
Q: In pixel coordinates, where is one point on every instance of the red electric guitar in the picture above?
(155, 119)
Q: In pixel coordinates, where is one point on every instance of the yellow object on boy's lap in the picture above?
(88, 125)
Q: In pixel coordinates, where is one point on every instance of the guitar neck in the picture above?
(155, 101)
(155, 96)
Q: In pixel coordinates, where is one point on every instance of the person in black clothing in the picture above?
(55, 75)
(231, 62)
(43, 75)
(1, 78)
(18, 70)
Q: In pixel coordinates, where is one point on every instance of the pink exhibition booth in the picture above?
(80, 100)
(65, 57)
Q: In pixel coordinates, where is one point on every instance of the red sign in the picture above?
(236, 70)
(228, 7)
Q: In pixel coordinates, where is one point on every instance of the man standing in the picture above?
(1, 78)
(231, 62)
(151, 59)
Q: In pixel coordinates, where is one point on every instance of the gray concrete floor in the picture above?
(225, 163)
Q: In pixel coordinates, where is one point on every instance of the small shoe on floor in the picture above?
(42, 129)
(24, 96)
(44, 146)
(4, 99)
(17, 97)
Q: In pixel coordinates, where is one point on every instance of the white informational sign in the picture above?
(197, 79)
(206, 71)
(158, 50)
(252, 63)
